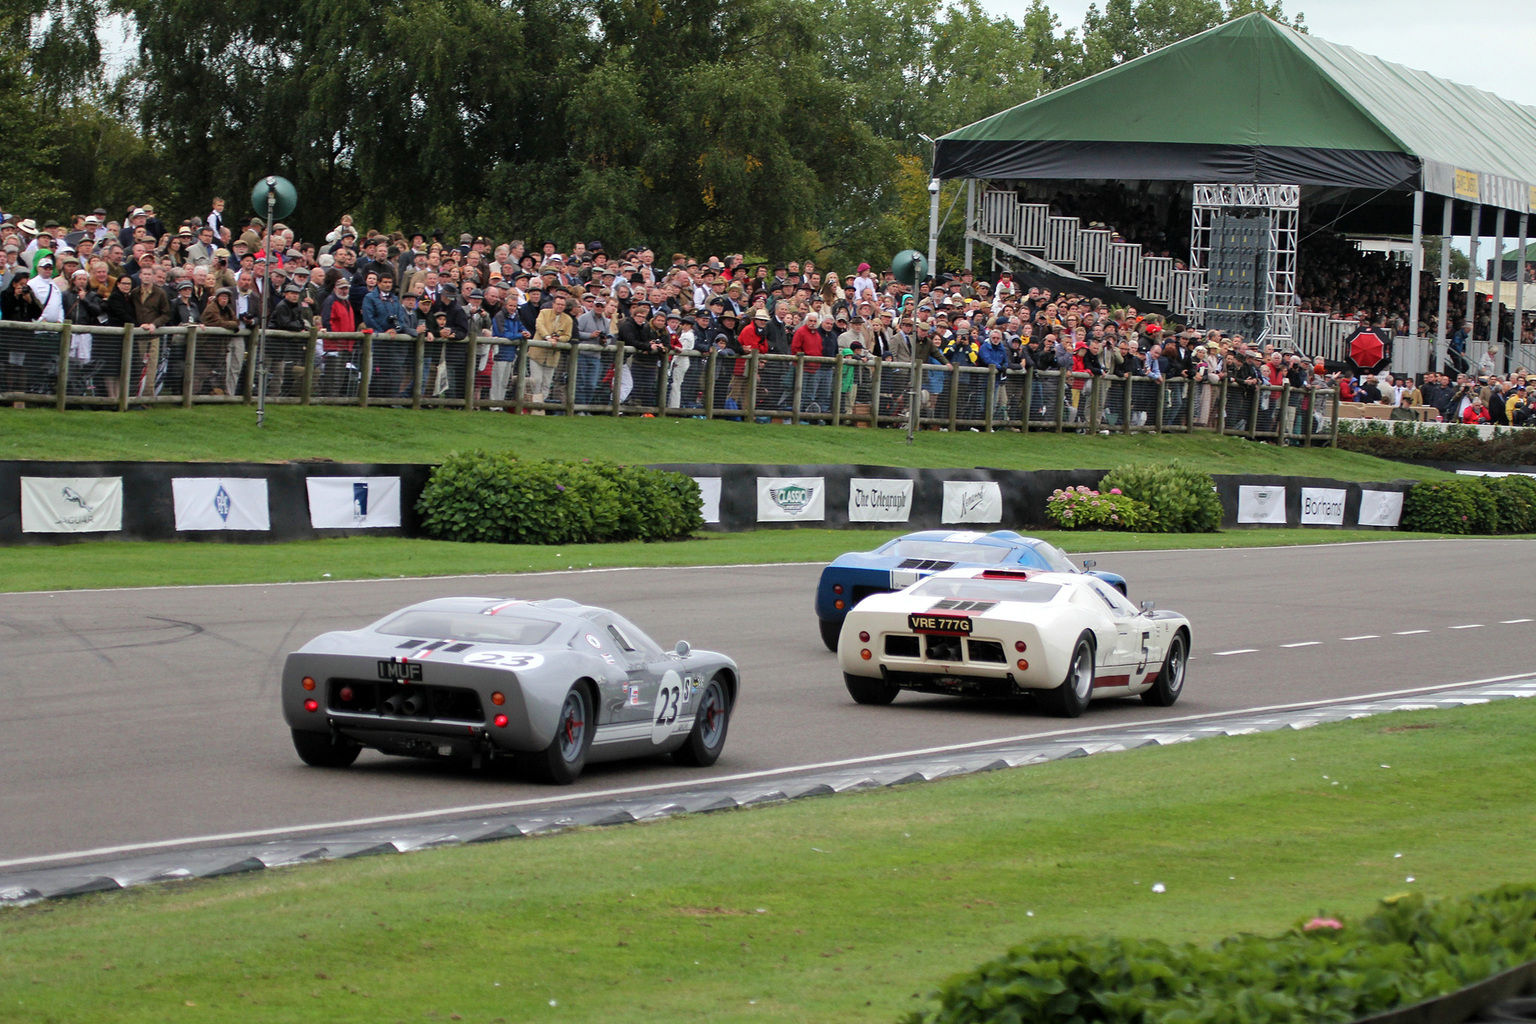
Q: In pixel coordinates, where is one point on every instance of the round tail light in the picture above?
(837, 588)
(863, 638)
(498, 698)
(838, 604)
(346, 693)
(1023, 665)
(1020, 646)
(865, 654)
(308, 683)
(501, 721)
(311, 705)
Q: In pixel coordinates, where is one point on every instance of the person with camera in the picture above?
(595, 326)
(554, 326)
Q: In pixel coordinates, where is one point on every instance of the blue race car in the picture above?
(895, 564)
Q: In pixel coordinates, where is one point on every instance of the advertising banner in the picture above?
(972, 501)
(791, 499)
(1261, 505)
(71, 504)
(879, 501)
(220, 503)
(1322, 506)
(353, 502)
(1381, 508)
(709, 490)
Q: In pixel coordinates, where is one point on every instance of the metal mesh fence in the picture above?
(29, 361)
(970, 398)
(393, 377)
(218, 364)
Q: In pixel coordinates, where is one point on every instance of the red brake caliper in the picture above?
(572, 723)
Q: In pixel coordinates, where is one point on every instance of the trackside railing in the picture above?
(68, 365)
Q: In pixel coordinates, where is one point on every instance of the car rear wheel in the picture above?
(711, 719)
(830, 632)
(562, 761)
(1170, 681)
(322, 750)
(1071, 698)
(865, 690)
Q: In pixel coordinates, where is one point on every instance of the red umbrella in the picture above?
(1369, 351)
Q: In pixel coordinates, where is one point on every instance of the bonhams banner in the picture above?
(972, 501)
(1261, 505)
(220, 503)
(709, 492)
(791, 499)
(1381, 508)
(879, 501)
(1322, 506)
(354, 502)
(71, 504)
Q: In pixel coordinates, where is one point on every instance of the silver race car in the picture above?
(553, 684)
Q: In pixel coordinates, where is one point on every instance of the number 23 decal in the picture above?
(669, 701)
(500, 659)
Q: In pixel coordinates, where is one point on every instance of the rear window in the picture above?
(986, 590)
(493, 629)
(947, 551)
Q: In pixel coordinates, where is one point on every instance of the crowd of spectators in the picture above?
(98, 271)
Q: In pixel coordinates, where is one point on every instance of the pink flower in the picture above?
(1114, 490)
(1319, 923)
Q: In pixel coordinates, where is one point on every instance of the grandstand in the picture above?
(1150, 177)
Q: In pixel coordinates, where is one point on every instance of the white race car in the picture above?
(1066, 638)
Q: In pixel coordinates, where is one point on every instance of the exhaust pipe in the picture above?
(392, 705)
(413, 705)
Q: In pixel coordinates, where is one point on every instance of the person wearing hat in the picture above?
(637, 333)
(553, 326)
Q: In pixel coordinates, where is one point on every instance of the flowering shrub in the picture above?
(1181, 499)
(1082, 508)
(497, 497)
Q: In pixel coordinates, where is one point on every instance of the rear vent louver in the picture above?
(953, 605)
(926, 564)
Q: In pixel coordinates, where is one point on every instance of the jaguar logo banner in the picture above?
(790, 499)
(972, 501)
(71, 504)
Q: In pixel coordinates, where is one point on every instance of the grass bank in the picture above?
(229, 434)
(170, 563)
(843, 909)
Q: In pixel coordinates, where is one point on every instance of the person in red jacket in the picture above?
(337, 314)
(811, 339)
(1476, 413)
(751, 339)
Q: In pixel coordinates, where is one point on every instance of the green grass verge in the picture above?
(229, 434)
(841, 909)
(170, 563)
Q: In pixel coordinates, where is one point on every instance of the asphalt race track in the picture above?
(139, 717)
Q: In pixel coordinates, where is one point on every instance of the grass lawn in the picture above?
(843, 909)
(229, 434)
(144, 564)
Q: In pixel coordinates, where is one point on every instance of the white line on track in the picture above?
(1474, 625)
(469, 810)
(1366, 636)
(1512, 622)
(1304, 643)
(1242, 650)
(1410, 632)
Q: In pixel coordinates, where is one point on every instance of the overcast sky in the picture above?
(1486, 43)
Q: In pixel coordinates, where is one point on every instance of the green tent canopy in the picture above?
(1255, 101)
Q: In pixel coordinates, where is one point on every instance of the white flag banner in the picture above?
(71, 504)
(709, 490)
(1381, 508)
(972, 501)
(220, 503)
(1261, 505)
(791, 499)
(1322, 506)
(879, 501)
(353, 502)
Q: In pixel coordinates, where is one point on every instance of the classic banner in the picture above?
(71, 504)
(790, 499)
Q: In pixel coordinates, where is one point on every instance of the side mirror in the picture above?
(1089, 563)
(1147, 606)
(682, 649)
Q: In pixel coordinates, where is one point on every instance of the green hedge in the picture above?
(1324, 970)
(497, 497)
(1472, 505)
(1453, 443)
(1181, 500)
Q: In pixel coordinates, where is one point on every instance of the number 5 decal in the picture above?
(669, 700)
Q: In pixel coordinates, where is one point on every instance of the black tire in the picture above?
(711, 720)
(321, 750)
(1170, 679)
(865, 690)
(560, 763)
(1071, 698)
(829, 633)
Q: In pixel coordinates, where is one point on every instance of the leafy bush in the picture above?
(1082, 508)
(1451, 506)
(1455, 442)
(497, 497)
(1325, 969)
(1515, 497)
(1182, 500)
